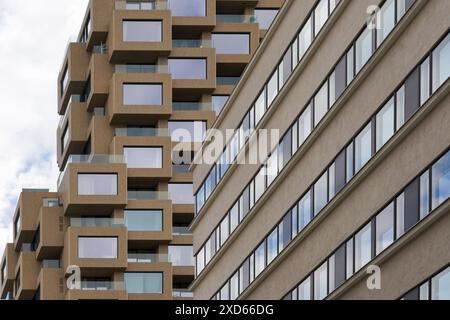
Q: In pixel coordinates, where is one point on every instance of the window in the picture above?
(424, 191)
(200, 263)
(363, 247)
(218, 102)
(441, 181)
(305, 38)
(363, 147)
(284, 232)
(17, 282)
(385, 124)
(260, 259)
(3, 273)
(350, 65)
(304, 125)
(64, 79)
(17, 224)
(272, 88)
(224, 230)
(188, 68)
(187, 131)
(363, 49)
(321, 282)
(384, 228)
(304, 290)
(304, 211)
(181, 193)
(320, 104)
(140, 5)
(234, 216)
(320, 193)
(260, 183)
(425, 81)
(441, 63)
(260, 106)
(143, 220)
(265, 17)
(234, 286)
(142, 94)
(143, 157)
(349, 258)
(272, 167)
(440, 286)
(97, 184)
(272, 246)
(244, 275)
(231, 43)
(225, 292)
(143, 282)
(191, 8)
(181, 255)
(142, 31)
(97, 248)
(386, 20)
(320, 16)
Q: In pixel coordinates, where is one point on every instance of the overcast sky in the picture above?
(33, 40)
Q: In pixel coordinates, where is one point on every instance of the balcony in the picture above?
(158, 149)
(128, 43)
(164, 268)
(235, 18)
(7, 269)
(191, 21)
(72, 77)
(95, 257)
(182, 294)
(190, 86)
(96, 23)
(97, 182)
(100, 73)
(51, 230)
(72, 130)
(141, 236)
(147, 258)
(27, 273)
(191, 43)
(155, 104)
(27, 213)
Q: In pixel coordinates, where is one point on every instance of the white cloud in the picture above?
(34, 36)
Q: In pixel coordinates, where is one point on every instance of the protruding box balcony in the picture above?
(153, 200)
(7, 269)
(27, 273)
(129, 113)
(72, 77)
(72, 132)
(26, 215)
(82, 228)
(99, 76)
(194, 19)
(97, 182)
(164, 267)
(50, 226)
(124, 48)
(154, 139)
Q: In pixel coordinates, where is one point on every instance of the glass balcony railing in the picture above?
(51, 264)
(141, 68)
(191, 43)
(101, 285)
(97, 158)
(141, 132)
(51, 203)
(102, 48)
(147, 258)
(227, 81)
(96, 222)
(181, 231)
(236, 18)
(141, 5)
(180, 168)
(182, 293)
(148, 195)
(192, 106)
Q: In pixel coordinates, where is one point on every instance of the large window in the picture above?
(97, 184)
(143, 220)
(363, 247)
(231, 43)
(181, 193)
(441, 181)
(144, 282)
(363, 147)
(321, 282)
(321, 193)
(305, 38)
(187, 131)
(143, 157)
(363, 48)
(191, 8)
(188, 68)
(304, 290)
(441, 63)
(440, 286)
(384, 228)
(142, 31)
(260, 259)
(320, 16)
(142, 94)
(385, 124)
(265, 17)
(386, 21)
(97, 248)
(181, 255)
(320, 104)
